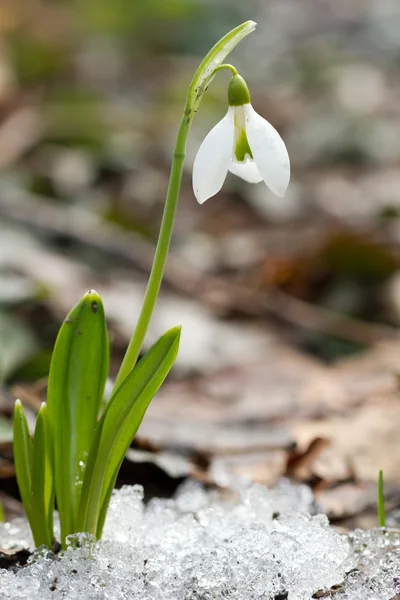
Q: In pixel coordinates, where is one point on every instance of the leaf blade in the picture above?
(23, 453)
(118, 425)
(42, 477)
(77, 377)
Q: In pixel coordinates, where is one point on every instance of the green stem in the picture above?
(230, 68)
(160, 257)
(208, 67)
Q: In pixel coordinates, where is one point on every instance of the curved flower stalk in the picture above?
(202, 78)
(243, 143)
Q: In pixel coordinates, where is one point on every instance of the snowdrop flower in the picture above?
(243, 143)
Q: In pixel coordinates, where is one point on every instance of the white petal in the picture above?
(247, 170)
(212, 160)
(269, 151)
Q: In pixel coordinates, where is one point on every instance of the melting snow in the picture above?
(264, 544)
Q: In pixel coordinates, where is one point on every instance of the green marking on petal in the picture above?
(242, 147)
(241, 144)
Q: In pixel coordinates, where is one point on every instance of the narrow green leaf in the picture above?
(77, 377)
(381, 501)
(106, 502)
(38, 461)
(42, 477)
(118, 426)
(49, 493)
(23, 455)
(23, 452)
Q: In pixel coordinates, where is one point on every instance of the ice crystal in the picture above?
(261, 544)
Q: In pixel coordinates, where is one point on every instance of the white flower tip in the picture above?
(199, 197)
(212, 160)
(280, 193)
(269, 151)
(280, 185)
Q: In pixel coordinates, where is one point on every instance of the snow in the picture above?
(256, 544)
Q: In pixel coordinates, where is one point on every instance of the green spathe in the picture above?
(238, 92)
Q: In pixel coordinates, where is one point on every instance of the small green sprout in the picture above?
(381, 501)
(77, 449)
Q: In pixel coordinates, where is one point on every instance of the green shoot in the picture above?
(34, 473)
(381, 501)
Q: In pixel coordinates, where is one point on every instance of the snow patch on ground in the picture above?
(262, 544)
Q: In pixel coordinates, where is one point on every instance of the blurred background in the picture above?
(290, 356)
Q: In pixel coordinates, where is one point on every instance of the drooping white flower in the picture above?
(243, 143)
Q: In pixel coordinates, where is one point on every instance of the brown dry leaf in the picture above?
(300, 464)
(247, 417)
(363, 432)
(280, 383)
(346, 500)
(329, 468)
(376, 371)
(238, 416)
(366, 438)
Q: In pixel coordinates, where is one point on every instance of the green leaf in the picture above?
(42, 476)
(32, 465)
(381, 501)
(23, 458)
(106, 501)
(77, 377)
(118, 426)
